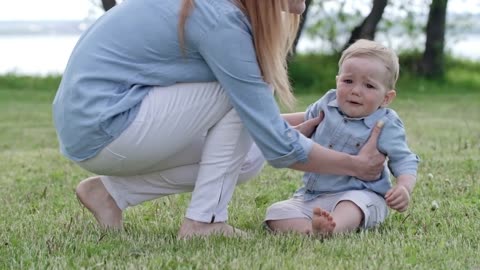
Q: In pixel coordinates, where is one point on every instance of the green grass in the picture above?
(43, 226)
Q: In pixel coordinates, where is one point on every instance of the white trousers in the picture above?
(185, 137)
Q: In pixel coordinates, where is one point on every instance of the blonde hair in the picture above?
(368, 48)
(274, 32)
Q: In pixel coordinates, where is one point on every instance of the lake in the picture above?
(35, 55)
(48, 54)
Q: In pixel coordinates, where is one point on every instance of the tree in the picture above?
(368, 27)
(108, 4)
(432, 62)
(302, 25)
(331, 21)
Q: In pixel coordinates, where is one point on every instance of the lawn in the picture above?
(43, 226)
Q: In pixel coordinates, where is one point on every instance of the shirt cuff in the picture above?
(301, 149)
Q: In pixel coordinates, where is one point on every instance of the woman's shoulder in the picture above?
(222, 11)
(223, 6)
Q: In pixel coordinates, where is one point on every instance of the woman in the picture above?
(163, 97)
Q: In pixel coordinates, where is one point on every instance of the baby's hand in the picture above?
(398, 198)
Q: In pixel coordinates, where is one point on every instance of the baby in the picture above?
(328, 204)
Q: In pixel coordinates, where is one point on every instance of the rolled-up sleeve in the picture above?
(229, 52)
(393, 142)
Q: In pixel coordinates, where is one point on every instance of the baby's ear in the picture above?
(389, 97)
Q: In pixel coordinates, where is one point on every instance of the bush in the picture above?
(22, 82)
(313, 73)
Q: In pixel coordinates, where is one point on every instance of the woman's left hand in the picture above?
(308, 127)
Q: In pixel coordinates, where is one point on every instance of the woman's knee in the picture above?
(252, 165)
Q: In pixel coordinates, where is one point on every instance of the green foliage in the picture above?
(332, 21)
(315, 73)
(459, 72)
(329, 21)
(21, 82)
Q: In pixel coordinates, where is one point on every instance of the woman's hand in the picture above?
(369, 161)
(308, 127)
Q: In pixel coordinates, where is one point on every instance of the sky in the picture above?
(24, 10)
(80, 9)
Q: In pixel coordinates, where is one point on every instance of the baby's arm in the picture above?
(398, 197)
(403, 163)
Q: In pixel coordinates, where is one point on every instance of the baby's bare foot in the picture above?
(322, 222)
(191, 228)
(94, 196)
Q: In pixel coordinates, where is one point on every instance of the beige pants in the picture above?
(186, 137)
(373, 206)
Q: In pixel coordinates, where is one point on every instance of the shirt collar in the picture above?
(369, 121)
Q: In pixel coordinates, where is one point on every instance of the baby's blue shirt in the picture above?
(135, 46)
(348, 135)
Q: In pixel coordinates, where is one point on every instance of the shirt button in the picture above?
(289, 134)
(330, 146)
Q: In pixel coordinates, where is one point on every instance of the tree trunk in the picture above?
(432, 63)
(368, 27)
(302, 25)
(108, 4)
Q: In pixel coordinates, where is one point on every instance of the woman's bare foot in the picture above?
(191, 228)
(94, 196)
(322, 222)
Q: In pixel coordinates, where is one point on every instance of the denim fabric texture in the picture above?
(348, 135)
(134, 47)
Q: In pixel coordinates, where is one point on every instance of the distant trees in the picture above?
(330, 26)
(432, 62)
(368, 27)
(302, 24)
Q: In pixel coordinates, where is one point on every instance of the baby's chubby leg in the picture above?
(352, 210)
(292, 215)
(325, 215)
(298, 225)
(346, 217)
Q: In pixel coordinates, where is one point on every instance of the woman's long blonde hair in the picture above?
(274, 32)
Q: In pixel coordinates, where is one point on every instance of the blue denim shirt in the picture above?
(135, 46)
(348, 135)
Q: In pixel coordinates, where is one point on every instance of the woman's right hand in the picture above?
(369, 161)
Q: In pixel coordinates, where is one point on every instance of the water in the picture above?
(35, 55)
(465, 47)
(48, 54)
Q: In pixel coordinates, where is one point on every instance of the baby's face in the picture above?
(361, 87)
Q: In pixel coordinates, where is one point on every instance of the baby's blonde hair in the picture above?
(274, 32)
(368, 48)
